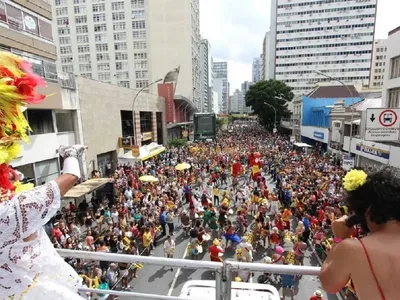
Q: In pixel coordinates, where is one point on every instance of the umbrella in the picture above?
(182, 166)
(148, 178)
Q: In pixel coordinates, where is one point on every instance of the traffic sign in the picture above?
(382, 124)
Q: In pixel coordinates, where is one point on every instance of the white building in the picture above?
(245, 87)
(266, 55)
(206, 76)
(221, 85)
(378, 64)
(110, 41)
(237, 101)
(256, 69)
(331, 36)
(215, 102)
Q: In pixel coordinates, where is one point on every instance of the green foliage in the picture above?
(222, 121)
(272, 92)
(178, 143)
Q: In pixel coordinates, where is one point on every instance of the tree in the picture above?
(274, 92)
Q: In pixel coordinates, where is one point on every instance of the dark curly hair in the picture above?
(380, 194)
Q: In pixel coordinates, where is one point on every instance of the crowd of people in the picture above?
(250, 190)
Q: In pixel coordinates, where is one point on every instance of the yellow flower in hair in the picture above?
(354, 179)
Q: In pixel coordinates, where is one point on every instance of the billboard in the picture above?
(166, 90)
(205, 126)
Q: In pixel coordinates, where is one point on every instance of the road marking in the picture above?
(171, 289)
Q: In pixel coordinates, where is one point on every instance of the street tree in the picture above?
(273, 92)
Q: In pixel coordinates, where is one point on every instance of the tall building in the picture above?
(378, 64)
(266, 73)
(110, 41)
(206, 76)
(256, 69)
(245, 87)
(221, 85)
(237, 102)
(391, 87)
(331, 36)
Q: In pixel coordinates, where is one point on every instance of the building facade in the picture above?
(110, 41)
(206, 76)
(244, 88)
(378, 64)
(221, 85)
(331, 36)
(266, 55)
(256, 69)
(237, 100)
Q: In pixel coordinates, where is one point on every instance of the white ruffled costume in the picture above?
(33, 270)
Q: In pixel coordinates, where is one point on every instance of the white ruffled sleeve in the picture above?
(36, 207)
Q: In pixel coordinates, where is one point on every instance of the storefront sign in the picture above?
(373, 151)
(125, 142)
(135, 151)
(318, 135)
(348, 162)
(166, 90)
(147, 136)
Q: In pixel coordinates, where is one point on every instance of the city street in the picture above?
(161, 280)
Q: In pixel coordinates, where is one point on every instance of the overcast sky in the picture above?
(236, 29)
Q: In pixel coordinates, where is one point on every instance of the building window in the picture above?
(84, 58)
(61, 2)
(103, 57)
(121, 56)
(82, 39)
(120, 36)
(127, 123)
(65, 49)
(99, 7)
(122, 75)
(395, 67)
(117, 16)
(99, 17)
(61, 11)
(119, 26)
(103, 66)
(101, 37)
(80, 9)
(117, 5)
(104, 76)
(65, 121)
(146, 121)
(394, 100)
(139, 34)
(81, 19)
(120, 46)
(65, 40)
(139, 45)
(83, 48)
(41, 121)
(121, 65)
(68, 68)
(141, 65)
(101, 47)
(138, 14)
(79, 1)
(124, 84)
(85, 68)
(141, 74)
(81, 29)
(137, 3)
(100, 28)
(140, 56)
(87, 75)
(138, 24)
(141, 83)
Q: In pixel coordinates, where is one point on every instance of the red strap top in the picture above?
(372, 271)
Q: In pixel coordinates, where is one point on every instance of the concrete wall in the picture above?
(100, 105)
(393, 50)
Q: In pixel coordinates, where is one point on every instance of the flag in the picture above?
(172, 76)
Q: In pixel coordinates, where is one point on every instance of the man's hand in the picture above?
(72, 151)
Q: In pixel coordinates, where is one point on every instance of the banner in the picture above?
(348, 162)
(166, 90)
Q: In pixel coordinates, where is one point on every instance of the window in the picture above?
(120, 46)
(65, 40)
(355, 130)
(117, 5)
(101, 37)
(100, 28)
(119, 26)
(121, 56)
(103, 66)
(64, 30)
(66, 59)
(41, 121)
(138, 24)
(84, 58)
(85, 68)
(104, 76)
(137, 3)
(99, 17)
(138, 14)
(62, 21)
(140, 56)
(101, 47)
(61, 2)
(394, 99)
(120, 36)
(82, 39)
(82, 29)
(65, 49)
(139, 34)
(99, 7)
(103, 56)
(61, 11)
(141, 83)
(395, 67)
(121, 65)
(68, 68)
(141, 74)
(79, 1)
(116, 16)
(141, 65)
(139, 45)
(83, 48)
(127, 123)
(80, 9)
(47, 170)
(87, 75)
(122, 75)
(65, 121)
(146, 121)
(123, 84)
(81, 19)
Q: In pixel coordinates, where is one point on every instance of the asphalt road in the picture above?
(161, 280)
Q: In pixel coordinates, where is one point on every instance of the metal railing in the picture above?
(223, 271)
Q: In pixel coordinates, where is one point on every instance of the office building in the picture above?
(256, 69)
(378, 64)
(237, 102)
(110, 41)
(221, 85)
(391, 86)
(266, 73)
(331, 36)
(244, 88)
(206, 76)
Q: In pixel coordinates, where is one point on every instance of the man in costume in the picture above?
(30, 266)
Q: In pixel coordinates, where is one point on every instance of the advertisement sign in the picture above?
(14, 17)
(31, 23)
(147, 136)
(166, 90)
(125, 142)
(318, 135)
(3, 15)
(135, 151)
(348, 162)
(374, 151)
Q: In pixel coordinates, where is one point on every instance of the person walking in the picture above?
(169, 248)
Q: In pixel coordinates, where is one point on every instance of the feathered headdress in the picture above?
(17, 88)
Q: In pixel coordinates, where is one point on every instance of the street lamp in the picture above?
(352, 104)
(133, 106)
(273, 107)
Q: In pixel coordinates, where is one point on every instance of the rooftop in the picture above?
(334, 91)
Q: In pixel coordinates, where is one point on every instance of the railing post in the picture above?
(223, 282)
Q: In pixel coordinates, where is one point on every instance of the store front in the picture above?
(370, 154)
(315, 136)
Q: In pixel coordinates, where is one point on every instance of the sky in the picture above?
(236, 29)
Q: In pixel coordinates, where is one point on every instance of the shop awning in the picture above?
(146, 152)
(87, 187)
(153, 153)
(301, 145)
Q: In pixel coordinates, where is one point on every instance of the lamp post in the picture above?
(273, 107)
(352, 104)
(133, 105)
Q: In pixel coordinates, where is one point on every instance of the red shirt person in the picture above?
(215, 251)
